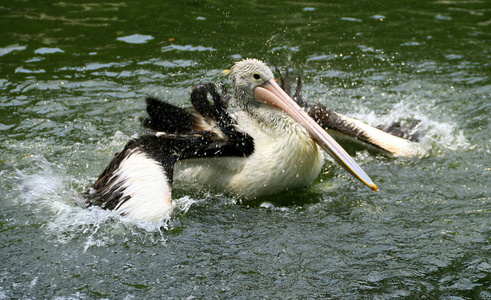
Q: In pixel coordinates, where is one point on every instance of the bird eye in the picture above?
(256, 76)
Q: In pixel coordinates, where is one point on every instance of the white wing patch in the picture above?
(144, 181)
(395, 145)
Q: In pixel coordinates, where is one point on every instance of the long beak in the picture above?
(273, 94)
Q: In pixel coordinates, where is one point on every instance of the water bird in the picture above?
(270, 145)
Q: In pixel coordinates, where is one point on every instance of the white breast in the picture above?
(285, 157)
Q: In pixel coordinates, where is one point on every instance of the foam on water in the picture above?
(44, 184)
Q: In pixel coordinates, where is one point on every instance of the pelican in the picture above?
(271, 145)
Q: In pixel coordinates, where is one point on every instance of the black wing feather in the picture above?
(178, 138)
(165, 117)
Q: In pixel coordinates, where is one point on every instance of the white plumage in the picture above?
(285, 157)
(143, 182)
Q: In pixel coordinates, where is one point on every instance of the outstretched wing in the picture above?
(395, 139)
(345, 129)
(138, 181)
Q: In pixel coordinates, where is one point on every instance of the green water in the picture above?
(73, 77)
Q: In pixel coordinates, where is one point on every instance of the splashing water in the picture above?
(437, 136)
(48, 187)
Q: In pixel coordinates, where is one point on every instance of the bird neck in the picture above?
(275, 119)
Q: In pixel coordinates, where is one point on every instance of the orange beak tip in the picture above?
(272, 94)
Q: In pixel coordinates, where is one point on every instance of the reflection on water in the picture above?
(73, 77)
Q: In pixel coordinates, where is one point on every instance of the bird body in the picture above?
(285, 157)
(271, 146)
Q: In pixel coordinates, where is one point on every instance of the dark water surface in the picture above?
(73, 77)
